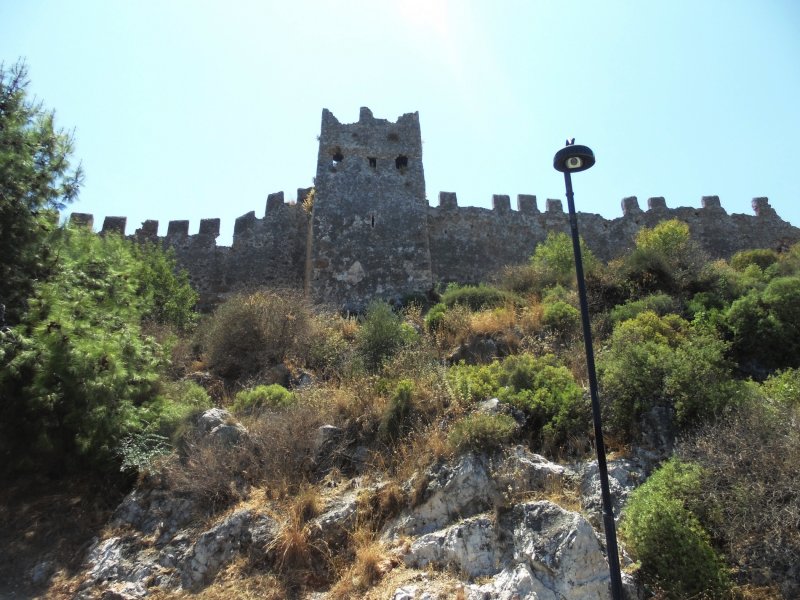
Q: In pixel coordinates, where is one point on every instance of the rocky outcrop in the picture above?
(534, 550)
(491, 523)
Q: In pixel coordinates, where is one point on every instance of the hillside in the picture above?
(447, 449)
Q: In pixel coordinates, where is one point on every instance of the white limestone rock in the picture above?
(534, 550)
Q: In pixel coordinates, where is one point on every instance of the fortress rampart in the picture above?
(370, 232)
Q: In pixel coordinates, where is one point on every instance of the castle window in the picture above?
(373, 221)
(393, 137)
(337, 157)
(373, 162)
(401, 162)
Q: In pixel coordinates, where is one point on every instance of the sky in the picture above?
(190, 109)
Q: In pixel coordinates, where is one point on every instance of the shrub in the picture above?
(553, 402)
(783, 387)
(761, 258)
(78, 374)
(665, 536)
(435, 316)
(261, 397)
(561, 317)
(139, 451)
(765, 326)
(476, 297)
(173, 410)
(665, 259)
(169, 296)
(751, 486)
(554, 261)
(381, 334)
(252, 332)
(659, 361)
(395, 420)
(660, 304)
(480, 432)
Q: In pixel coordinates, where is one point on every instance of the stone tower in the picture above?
(369, 232)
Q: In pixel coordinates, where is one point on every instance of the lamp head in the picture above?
(573, 159)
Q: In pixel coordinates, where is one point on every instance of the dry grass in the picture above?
(379, 504)
(493, 322)
(371, 562)
(297, 556)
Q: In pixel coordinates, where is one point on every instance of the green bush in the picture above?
(750, 464)
(761, 258)
(435, 316)
(381, 334)
(171, 413)
(481, 432)
(784, 387)
(262, 397)
(665, 259)
(78, 374)
(660, 361)
(554, 261)
(395, 420)
(169, 297)
(554, 404)
(253, 332)
(476, 297)
(561, 317)
(665, 536)
(660, 304)
(765, 326)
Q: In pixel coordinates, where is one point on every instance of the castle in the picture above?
(366, 230)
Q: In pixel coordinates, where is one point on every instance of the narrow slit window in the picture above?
(373, 221)
(373, 162)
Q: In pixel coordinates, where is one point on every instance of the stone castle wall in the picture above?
(467, 244)
(370, 232)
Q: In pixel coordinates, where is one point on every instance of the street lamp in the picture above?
(573, 159)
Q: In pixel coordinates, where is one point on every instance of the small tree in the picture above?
(36, 180)
(78, 374)
(381, 334)
(665, 535)
(554, 261)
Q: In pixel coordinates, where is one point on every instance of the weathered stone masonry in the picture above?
(372, 234)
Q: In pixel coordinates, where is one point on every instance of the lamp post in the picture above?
(573, 159)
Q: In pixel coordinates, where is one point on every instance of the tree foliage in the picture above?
(554, 261)
(77, 373)
(36, 180)
(665, 536)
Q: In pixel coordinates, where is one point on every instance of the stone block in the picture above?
(209, 227)
(114, 224)
(275, 201)
(527, 203)
(762, 207)
(630, 206)
(448, 200)
(711, 202)
(656, 203)
(178, 228)
(554, 206)
(244, 223)
(87, 220)
(501, 203)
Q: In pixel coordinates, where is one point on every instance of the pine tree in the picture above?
(36, 180)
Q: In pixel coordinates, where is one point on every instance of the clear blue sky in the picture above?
(192, 109)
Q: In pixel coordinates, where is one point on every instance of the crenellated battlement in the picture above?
(526, 205)
(371, 232)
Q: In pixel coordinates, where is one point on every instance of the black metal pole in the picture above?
(608, 509)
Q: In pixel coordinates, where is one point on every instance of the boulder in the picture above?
(533, 550)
